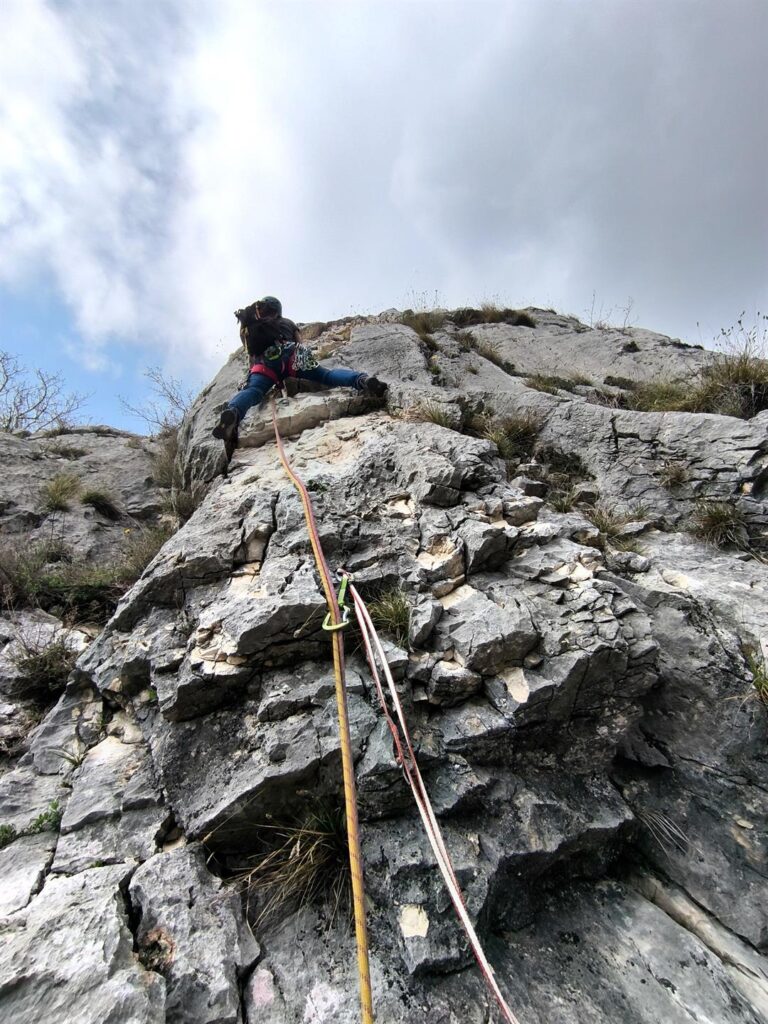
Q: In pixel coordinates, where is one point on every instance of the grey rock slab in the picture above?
(25, 794)
(425, 614)
(115, 811)
(226, 772)
(547, 348)
(117, 464)
(451, 683)
(601, 953)
(485, 545)
(187, 912)
(68, 955)
(485, 636)
(99, 783)
(134, 836)
(23, 867)
(747, 968)
(71, 726)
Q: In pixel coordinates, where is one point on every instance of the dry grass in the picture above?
(301, 863)
(56, 494)
(425, 323)
(720, 523)
(734, 384)
(609, 521)
(673, 474)
(141, 547)
(514, 436)
(551, 384)
(45, 667)
(433, 412)
(102, 502)
(47, 576)
(491, 313)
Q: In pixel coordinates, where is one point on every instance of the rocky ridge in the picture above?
(582, 698)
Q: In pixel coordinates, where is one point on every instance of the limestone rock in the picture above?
(192, 932)
(68, 955)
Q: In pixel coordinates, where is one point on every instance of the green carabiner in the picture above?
(329, 626)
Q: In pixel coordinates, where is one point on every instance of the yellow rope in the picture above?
(348, 771)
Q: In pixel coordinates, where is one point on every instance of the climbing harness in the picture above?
(335, 621)
(347, 764)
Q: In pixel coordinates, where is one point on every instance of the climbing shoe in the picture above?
(226, 428)
(374, 386)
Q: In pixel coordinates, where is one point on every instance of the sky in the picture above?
(163, 162)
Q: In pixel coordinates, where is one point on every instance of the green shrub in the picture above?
(7, 835)
(45, 667)
(719, 523)
(48, 821)
(102, 502)
(391, 612)
(56, 494)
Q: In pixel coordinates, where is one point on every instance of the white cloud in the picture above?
(168, 163)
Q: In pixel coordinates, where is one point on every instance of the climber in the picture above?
(274, 352)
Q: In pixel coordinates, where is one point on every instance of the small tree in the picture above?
(34, 399)
(169, 400)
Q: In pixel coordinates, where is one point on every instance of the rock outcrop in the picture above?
(580, 687)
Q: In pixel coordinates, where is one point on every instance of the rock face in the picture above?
(582, 686)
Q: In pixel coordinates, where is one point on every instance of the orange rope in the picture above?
(348, 770)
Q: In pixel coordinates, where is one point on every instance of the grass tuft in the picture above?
(391, 612)
(45, 667)
(301, 863)
(102, 502)
(48, 821)
(673, 474)
(514, 436)
(720, 523)
(551, 384)
(735, 383)
(433, 412)
(56, 494)
(425, 323)
(759, 669)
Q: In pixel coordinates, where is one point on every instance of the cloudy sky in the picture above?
(163, 162)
